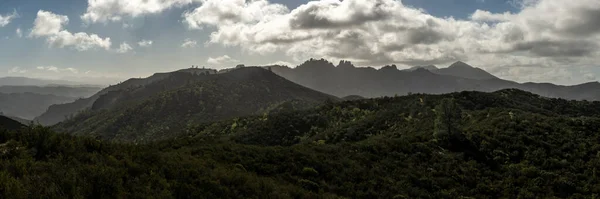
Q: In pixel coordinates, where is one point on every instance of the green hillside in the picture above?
(506, 144)
(166, 108)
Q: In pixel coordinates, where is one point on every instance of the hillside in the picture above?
(7, 123)
(59, 112)
(159, 109)
(506, 144)
(28, 105)
(346, 79)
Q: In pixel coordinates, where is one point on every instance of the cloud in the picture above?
(281, 63)
(115, 10)
(376, 32)
(17, 70)
(214, 12)
(590, 77)
(51, 26)
(6, 19)
(48, 68)
(124, 48)
(19, 33)
(483, 15)
(560, 48)
(225, 59)
(188, 43)
(145, 43)
(57, 70)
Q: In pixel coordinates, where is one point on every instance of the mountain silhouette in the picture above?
(428, 67)
(324, 76)
(461, 69)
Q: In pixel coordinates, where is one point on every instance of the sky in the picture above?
(104, 41)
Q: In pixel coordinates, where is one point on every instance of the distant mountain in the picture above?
(26, 81)
(326, 77)
(461, 69)
(66, 91)
(429, 68)
(28, 105)
(159, 109)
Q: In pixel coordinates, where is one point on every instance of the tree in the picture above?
(448, 120)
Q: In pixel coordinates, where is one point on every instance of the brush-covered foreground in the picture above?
(507, 144)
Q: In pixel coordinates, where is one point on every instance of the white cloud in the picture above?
(214, 12)
(145, 43)
(19, 33)
(124, 48)
(51, 27)
(281, 63)
(48, 68)
(115, 10)
(72, 70)
(225, 59)
(551, 33)
(188, 43)
(17, 70)
(57, 70)
(6, 19)
(483, 15)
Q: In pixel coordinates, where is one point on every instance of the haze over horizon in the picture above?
(110, 40)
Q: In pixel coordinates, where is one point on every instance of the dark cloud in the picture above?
(282, 39)
(425, 35)
(586, 24)
(394, 47)
(309, 17)
(514, 34)
(350, 44)
(547, 48)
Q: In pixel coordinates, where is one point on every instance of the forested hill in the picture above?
(59, 112)
(163, 108)
(506, 144)
(345, 79)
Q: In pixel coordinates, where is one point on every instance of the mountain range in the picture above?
(28, 102)
(29, 105)
(66, 91)
(346, 79)
(26, 81)
(247, 132)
